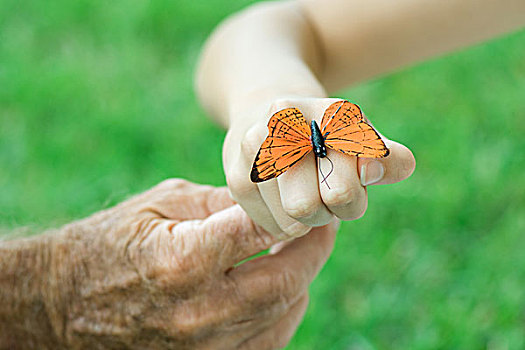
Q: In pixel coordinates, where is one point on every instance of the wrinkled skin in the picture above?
(157, 272)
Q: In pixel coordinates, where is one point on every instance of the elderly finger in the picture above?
(183, 200)
(397, 166)
(278, 335)
(223, 239)
(278, 280)
(188, 252)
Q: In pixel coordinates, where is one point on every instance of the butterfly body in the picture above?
(318, 145)
(289, 140)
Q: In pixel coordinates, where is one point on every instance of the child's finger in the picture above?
(247, 194)
(254, 205)
(300, 197)
(269, 190)
(397, 166)
(272, 198)
(342, 191)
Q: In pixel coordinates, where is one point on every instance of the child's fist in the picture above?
(297, 200)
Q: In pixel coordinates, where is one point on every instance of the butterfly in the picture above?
(343, 129)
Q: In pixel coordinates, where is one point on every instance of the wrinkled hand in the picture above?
(157, 271)
(295, 201)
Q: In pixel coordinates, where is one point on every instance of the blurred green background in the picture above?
(96, 103)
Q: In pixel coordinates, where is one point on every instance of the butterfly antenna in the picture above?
(330, 172)
(333, 115)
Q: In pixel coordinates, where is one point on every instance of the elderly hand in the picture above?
(296, 201)
(159, 271)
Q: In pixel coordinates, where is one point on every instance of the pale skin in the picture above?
(295, 54)
(159, 270)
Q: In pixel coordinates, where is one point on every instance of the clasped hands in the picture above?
(161, 270)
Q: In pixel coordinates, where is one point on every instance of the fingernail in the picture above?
(276, 248)
(371, 172)
(336, 223)
(230, 193)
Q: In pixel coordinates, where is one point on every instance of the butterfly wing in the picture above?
(287, 143)
(346, 131)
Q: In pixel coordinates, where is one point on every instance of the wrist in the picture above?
(24, 274)
(255, 105)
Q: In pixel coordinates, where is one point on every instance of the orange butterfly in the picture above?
(343, 129)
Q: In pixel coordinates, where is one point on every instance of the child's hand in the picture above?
(297, 200)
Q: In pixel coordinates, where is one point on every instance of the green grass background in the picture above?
(96, 103)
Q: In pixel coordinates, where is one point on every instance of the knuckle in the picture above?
(284, 286)
(239, 185)
(171, 266)
(279, 104)
(252, 139)
(295, 230)
(249, 144)
(301, 208)
(190, 326)
(354, 212)
(343, 196)
(279, 292)
(173, 184)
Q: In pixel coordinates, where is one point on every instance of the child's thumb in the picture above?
(397, 166)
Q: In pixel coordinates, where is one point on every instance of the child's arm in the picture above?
(288, 54)
(365, 38)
